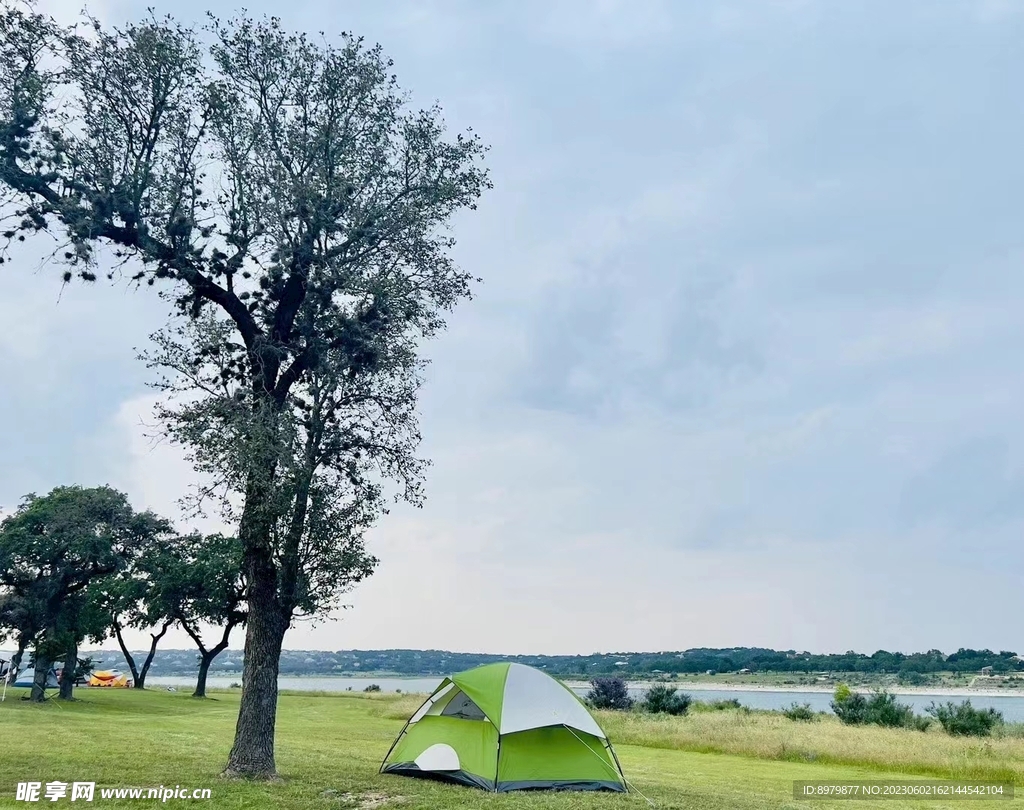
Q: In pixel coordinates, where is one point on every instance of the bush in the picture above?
(964, 720)
(722, 705)
(849, 706)
(661, 699)
(798, 712)
(885, 710)
(372, 688)
(881, 709)
(609, 693)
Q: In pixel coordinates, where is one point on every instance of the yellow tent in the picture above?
(110, 677)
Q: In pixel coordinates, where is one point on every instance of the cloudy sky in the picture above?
(746, 365)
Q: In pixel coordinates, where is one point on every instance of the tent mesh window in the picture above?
(461, 706)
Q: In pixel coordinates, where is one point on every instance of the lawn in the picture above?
(330, 746)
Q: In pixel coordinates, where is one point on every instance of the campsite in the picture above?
(515, 404)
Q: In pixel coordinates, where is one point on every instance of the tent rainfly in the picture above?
(27, 676)
(503, 727)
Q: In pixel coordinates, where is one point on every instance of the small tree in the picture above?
(609, 693)
(662, 699)
(135, 598)
(206, 586)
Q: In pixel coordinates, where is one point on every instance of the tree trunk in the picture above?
(252, 754)
(140, 677)
(67, 675)
(204, 667)
(127, 656)
(206, 656)
(16, 658)
(43, 665)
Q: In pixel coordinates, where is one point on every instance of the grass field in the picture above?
(330, 746)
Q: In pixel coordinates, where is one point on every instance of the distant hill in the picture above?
(626, 664)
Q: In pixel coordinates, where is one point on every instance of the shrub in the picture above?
(661, 699)
(722, 705)
(964, 720)
(798, 712)
(884, 710)
(849, 706)
(609, 693)
(881, 709)
(372, 688)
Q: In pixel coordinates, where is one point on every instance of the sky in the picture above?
(745, 368)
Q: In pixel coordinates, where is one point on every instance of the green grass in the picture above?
(329, 747)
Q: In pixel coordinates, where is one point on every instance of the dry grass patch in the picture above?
(772, 736)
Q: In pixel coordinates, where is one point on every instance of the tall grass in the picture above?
(770, 735)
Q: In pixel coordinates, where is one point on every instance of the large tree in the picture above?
(285, 190)
(53, 547)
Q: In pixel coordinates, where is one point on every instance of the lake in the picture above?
(1012, 707)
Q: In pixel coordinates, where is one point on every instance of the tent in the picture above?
(503, 727)
(26, 676)
(110, 677)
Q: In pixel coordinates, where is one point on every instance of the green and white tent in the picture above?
(504, 727)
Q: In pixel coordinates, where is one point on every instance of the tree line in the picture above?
(404, 662)
(81, 565)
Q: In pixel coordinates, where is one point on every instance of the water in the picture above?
(1012, 707)
(416, 685)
